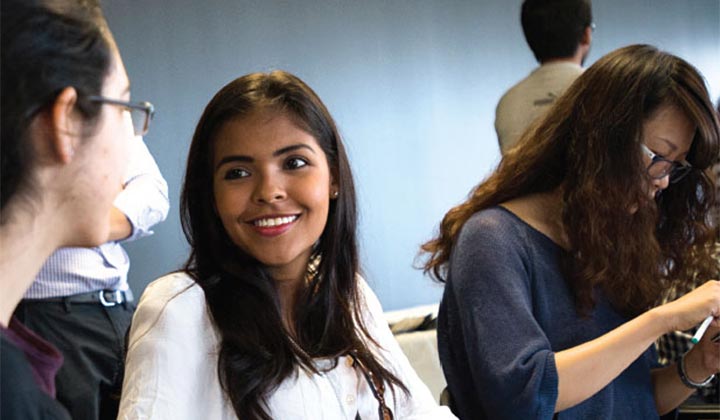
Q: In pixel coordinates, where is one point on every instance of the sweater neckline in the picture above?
(543, 237)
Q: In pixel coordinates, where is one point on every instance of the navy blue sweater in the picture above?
(505, 311)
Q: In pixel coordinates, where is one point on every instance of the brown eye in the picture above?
(295, 163)
(236, 173)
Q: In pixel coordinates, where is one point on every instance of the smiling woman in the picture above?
(272, 188)
(270, 314)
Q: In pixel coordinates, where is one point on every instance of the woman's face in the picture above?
(102, 159)
(272, 187)
(667, 133)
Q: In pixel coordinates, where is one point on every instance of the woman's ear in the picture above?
(65, 125)
(334, 188)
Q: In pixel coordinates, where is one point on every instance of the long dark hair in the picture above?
(46, 47)
(589, 143)
(256, 354)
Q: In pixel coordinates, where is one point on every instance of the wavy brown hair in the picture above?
(256, 353)
(588, 144)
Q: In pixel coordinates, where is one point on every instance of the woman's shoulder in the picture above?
(177, 285)
(368, 303)
(172, 299)
(177, 293)
(367, 296)
(496, 227)
(499, 229)
(493, 219)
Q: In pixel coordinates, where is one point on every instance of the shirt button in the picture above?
(350, 399)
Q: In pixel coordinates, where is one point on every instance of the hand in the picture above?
(691, 309)
(704, 358)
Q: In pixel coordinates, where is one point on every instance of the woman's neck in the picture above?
(27, 239)
(542, 211)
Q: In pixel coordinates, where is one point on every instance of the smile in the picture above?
(274, 221)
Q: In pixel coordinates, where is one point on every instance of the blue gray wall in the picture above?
(413, 86)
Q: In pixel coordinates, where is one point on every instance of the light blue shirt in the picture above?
(144, 201)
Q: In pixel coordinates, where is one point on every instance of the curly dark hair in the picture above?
(589, 144)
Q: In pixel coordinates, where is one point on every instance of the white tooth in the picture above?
(275, 222)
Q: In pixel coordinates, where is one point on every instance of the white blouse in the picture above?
(171, 368)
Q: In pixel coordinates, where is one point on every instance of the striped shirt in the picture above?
(144, 201)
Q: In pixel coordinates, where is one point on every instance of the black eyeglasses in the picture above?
(661, 167)
(141, 113)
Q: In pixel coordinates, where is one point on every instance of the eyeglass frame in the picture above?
(684, 166)
(146, 107)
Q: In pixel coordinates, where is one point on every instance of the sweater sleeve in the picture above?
(510, 361)
(171, 365)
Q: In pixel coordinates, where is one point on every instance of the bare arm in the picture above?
(585, 369)
(120, 227)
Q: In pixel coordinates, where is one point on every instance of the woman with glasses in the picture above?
(66, 128)
(554, 265)
(269, 318)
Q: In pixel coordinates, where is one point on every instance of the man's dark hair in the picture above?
(47, 45)
(554, 28)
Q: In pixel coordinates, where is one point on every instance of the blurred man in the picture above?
(81, 302)
(559, 33)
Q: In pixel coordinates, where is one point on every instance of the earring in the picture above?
(335, 194)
